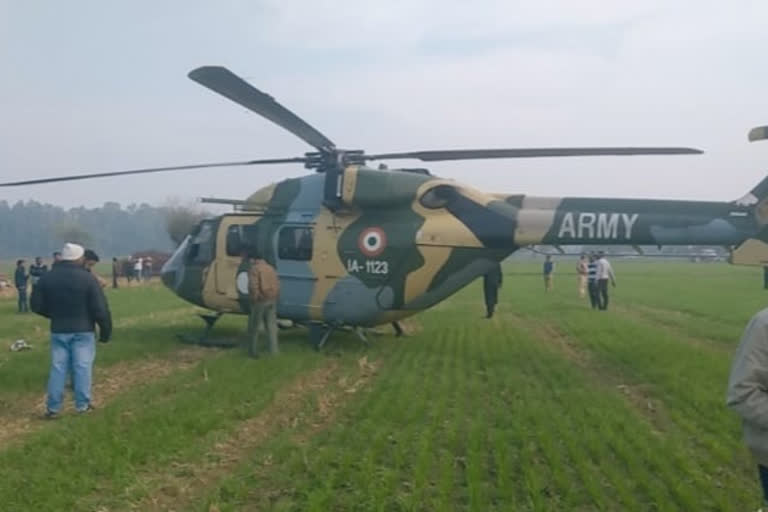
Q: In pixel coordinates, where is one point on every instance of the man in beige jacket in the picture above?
(263, 290)
(748, 391)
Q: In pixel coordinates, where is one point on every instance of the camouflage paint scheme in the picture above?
(404, 241)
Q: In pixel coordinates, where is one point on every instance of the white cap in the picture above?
(72, 252)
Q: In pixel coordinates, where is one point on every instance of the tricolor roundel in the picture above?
(372, 241)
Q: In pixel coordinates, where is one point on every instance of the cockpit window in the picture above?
(201, 244)
(438, 197)
(240, 237)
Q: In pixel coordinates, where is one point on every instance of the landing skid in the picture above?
(320, 333)
(203, 339)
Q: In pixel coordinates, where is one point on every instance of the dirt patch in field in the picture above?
(26, 415)
(636, 395)
(325, 389)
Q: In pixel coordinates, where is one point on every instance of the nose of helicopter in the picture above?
(172, 269)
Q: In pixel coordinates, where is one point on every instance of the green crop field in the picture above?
(548, 406)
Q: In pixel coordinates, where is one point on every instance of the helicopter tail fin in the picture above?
(754, 250)
(755, 197)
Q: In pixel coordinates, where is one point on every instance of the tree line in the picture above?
(29, 229)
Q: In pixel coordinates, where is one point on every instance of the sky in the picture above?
(91, 86)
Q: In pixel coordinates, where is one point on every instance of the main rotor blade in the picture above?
(153, 169)
(759, 133)
(226, 83)
(472, 154)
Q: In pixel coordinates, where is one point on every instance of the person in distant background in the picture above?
(36, 271)
(491, 284)
(592, 281)
(549, 270)
(147, 268)
(20, 278)
(582, 269)
(604, 273)
(138, 267)
(115, 272)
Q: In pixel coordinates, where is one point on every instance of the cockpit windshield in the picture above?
(201, 244)
(175, 261)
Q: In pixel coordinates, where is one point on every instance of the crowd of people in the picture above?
(594, 273)
(138, 269)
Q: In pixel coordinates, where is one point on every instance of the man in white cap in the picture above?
(73, 300)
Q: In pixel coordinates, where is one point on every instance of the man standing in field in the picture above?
(582, 269)
(592, 281)
(36, 271)
(56, 259)
(491, 284)
(147, 270)
(20, 278)
(90, 259)
(115, 272)
(263, 291)
(604, 273)
(73, 300)
(138, 268)
(747, 391)
(549, 270)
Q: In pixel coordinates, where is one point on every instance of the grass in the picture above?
(548, 406)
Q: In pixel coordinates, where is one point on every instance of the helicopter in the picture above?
(357, 246)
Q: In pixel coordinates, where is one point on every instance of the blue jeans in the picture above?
(71, 353)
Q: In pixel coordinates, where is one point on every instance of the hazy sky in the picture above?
(90, 86)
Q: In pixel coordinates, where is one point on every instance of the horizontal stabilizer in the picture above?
(751, 252)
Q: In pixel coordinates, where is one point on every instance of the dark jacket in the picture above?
(36, 272)
(73, 299)
(20, 277)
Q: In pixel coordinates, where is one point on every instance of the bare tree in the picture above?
(72, 232)
(181, 217)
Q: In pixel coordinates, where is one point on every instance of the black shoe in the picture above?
(50, 415)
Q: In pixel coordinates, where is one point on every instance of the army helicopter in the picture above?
(356, 246)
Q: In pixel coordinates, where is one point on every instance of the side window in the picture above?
(240, 237)
(295, 243)
(234, 240)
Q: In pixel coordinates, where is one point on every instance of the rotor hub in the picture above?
(337, 158)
